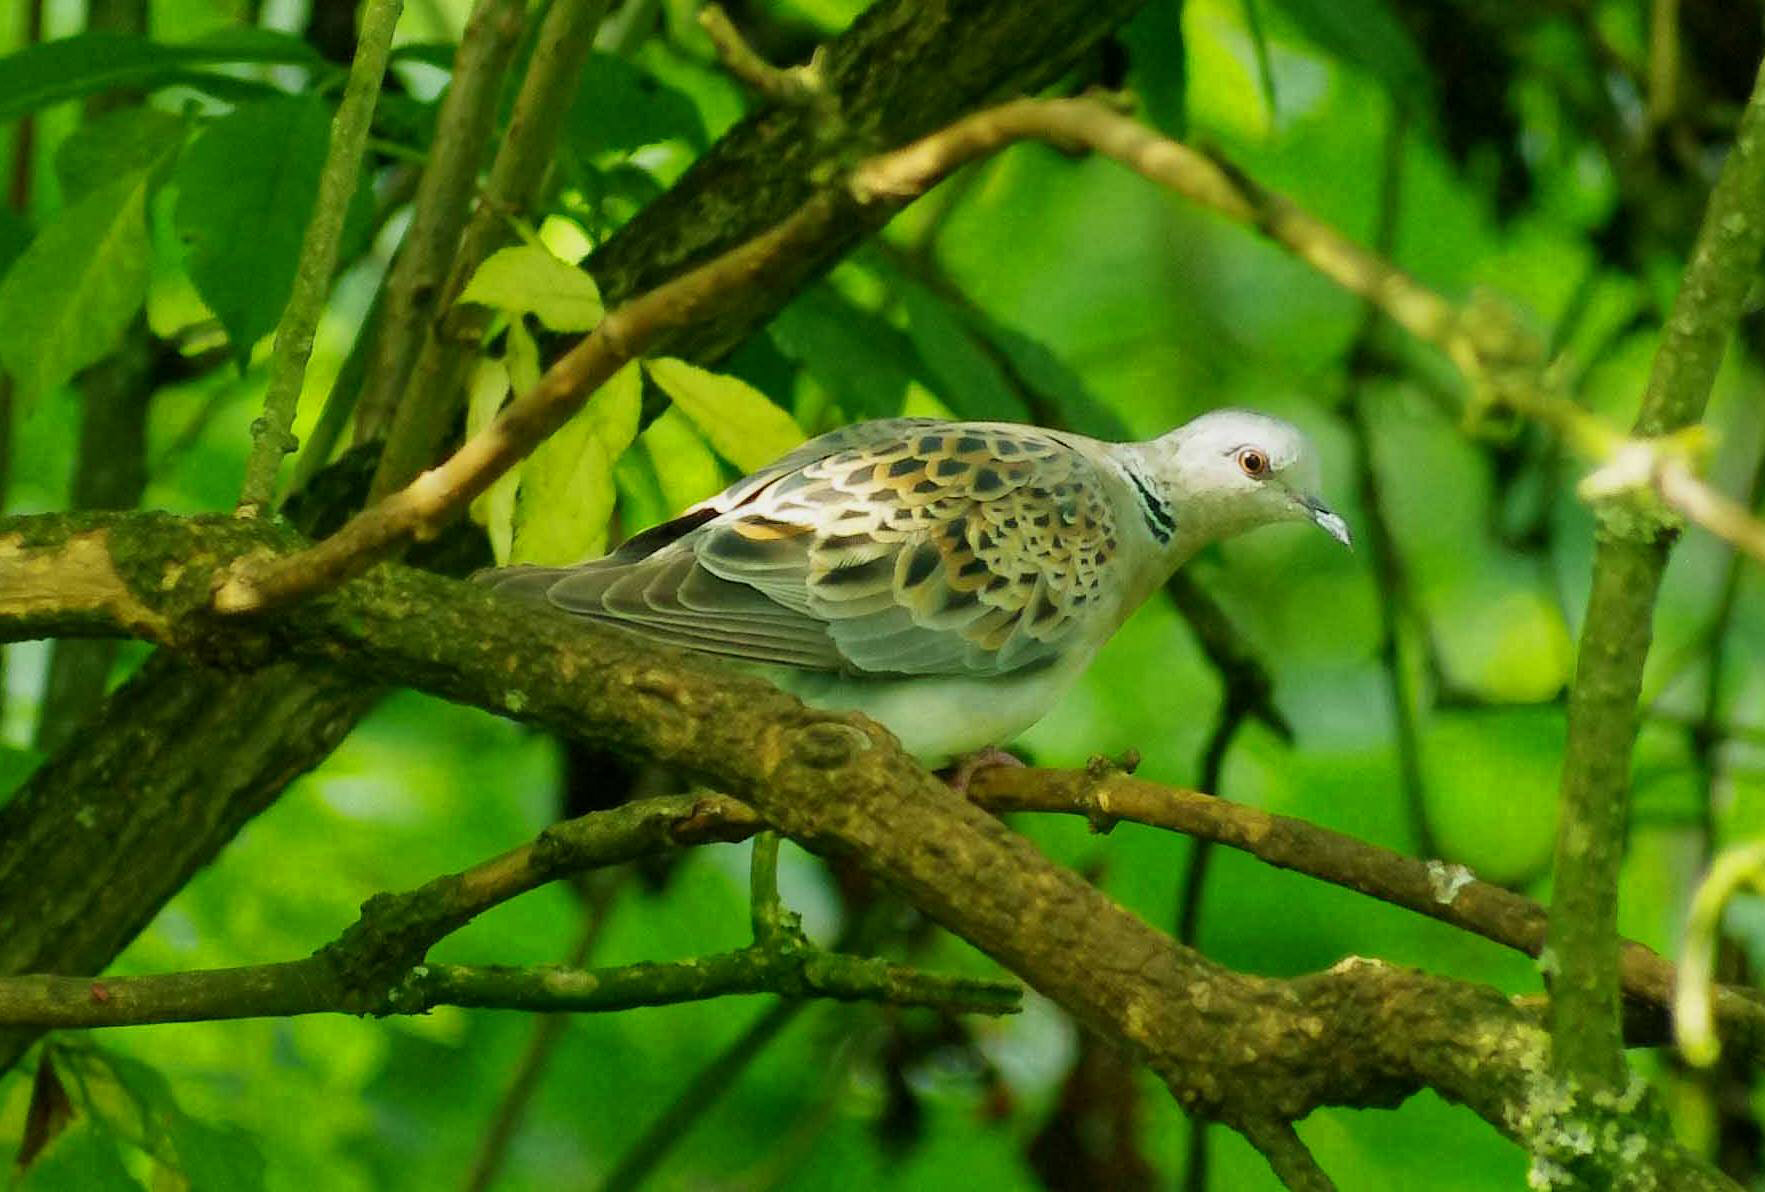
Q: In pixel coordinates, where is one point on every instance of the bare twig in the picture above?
(270, 436)
(311, 986)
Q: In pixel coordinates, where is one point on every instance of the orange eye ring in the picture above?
(1254, 463)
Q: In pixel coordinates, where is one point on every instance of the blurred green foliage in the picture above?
(1032, 287)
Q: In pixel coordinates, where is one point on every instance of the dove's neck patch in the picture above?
(1156, 511)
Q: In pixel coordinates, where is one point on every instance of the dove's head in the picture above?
(1232, 470)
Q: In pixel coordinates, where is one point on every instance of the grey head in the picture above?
(1233, 470)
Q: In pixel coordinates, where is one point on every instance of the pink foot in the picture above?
(961, 772)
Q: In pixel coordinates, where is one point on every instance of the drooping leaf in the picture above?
(528, 279)
(116, 143)
(620, 107)
(48, 1114)
(83, 1159)
(133, 1103)
(246, 190)
(856, 356)
(70, 67)
(72, 291)
(566, 494)
(965, 374)
(686, 470)
(741, 423)
(1366, 34)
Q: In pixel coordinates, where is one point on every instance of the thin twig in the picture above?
(1291, 1159)
(783, 85)
(712, 1081)
(1390, 580)
(270, 435)
(1449, 893)
(312, 986)
(529, 1068)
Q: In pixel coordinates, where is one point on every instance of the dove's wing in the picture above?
(899, 547)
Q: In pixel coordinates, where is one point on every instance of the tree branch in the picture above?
(313, 986)
(1230, 1046)
(1628, 564)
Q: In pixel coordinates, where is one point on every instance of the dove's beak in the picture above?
(1327, 520)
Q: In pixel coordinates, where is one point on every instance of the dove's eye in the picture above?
(1254, 462)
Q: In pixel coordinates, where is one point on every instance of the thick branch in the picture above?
(1230, 1046)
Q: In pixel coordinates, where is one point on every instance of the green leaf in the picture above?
(686, 470)
(84, 1159)
(567, 492)
(17, 764)
(70, 67)
(15, 234)
(1158, 64)
(69, 295)
(135, 1104)
(967, 376)
(865, 364)
(619, 107)
(528, 279)
(246, 190)
(743, 425)
(117, 143)
(494, 509)
(1366, 34)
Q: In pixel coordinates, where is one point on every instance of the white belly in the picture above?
(940, 717)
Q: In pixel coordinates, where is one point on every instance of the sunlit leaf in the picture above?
(567, 492)
(69, 67)
(528, 279)
(116, 143)
(246, 188)
(494, 509)
(742, 424)
(686, 470)
(69, 295)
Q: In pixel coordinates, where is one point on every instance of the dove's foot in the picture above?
(961, 772)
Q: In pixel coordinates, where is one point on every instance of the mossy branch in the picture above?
(1586, 1028)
